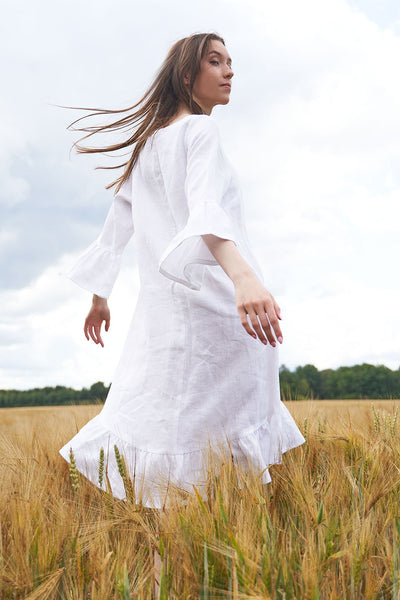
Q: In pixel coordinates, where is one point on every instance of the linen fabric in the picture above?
(189, 374)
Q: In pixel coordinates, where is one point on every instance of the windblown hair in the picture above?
(156, 108)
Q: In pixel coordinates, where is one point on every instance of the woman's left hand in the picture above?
(255, 302)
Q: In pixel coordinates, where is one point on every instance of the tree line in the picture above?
(52, 396)
(303, 383)
(358, 381)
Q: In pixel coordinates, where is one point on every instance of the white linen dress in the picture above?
(189, 373)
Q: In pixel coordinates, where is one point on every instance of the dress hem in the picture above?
(150, 471)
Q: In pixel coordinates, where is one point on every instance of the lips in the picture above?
(226, 85)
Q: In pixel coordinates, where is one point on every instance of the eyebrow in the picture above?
(219, 54)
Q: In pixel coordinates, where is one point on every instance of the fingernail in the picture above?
(280, 339)
(264, 342)
(273, 344)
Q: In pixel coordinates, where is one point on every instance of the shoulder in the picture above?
(201, 129)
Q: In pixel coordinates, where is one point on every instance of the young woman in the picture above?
(200, 363)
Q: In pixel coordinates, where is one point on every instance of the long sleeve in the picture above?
(208, 177)
(98, 266)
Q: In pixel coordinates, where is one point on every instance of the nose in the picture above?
(229, 73)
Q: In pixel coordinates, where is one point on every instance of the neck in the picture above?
(206, 109)
(183, 109)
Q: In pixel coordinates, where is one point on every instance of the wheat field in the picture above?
(326, 527)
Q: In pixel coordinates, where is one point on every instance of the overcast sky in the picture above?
(313, 128)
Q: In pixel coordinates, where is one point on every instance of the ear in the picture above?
(186, 79)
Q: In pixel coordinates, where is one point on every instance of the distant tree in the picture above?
(98, 391)
(294, 386)
(312, 377)
(328, 384)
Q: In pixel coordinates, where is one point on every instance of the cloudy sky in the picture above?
(313, 128)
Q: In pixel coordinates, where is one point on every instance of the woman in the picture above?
(200, 363)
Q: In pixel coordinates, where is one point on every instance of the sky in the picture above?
(312, 128)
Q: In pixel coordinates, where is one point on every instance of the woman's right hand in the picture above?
(98, 313)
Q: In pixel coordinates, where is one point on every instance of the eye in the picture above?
(214, 62)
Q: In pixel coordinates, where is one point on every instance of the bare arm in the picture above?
(98, 313)
(253, 300)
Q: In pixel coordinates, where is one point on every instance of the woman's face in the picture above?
(213, 82)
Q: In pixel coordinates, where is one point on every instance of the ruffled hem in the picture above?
(96, 270)
(184, 258)
(150, 471)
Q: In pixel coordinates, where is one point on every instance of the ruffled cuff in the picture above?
(186, 255)
(96, 270)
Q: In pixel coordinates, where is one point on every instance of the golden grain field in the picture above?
(327, 527)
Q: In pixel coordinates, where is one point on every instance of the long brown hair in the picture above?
(157, 106)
